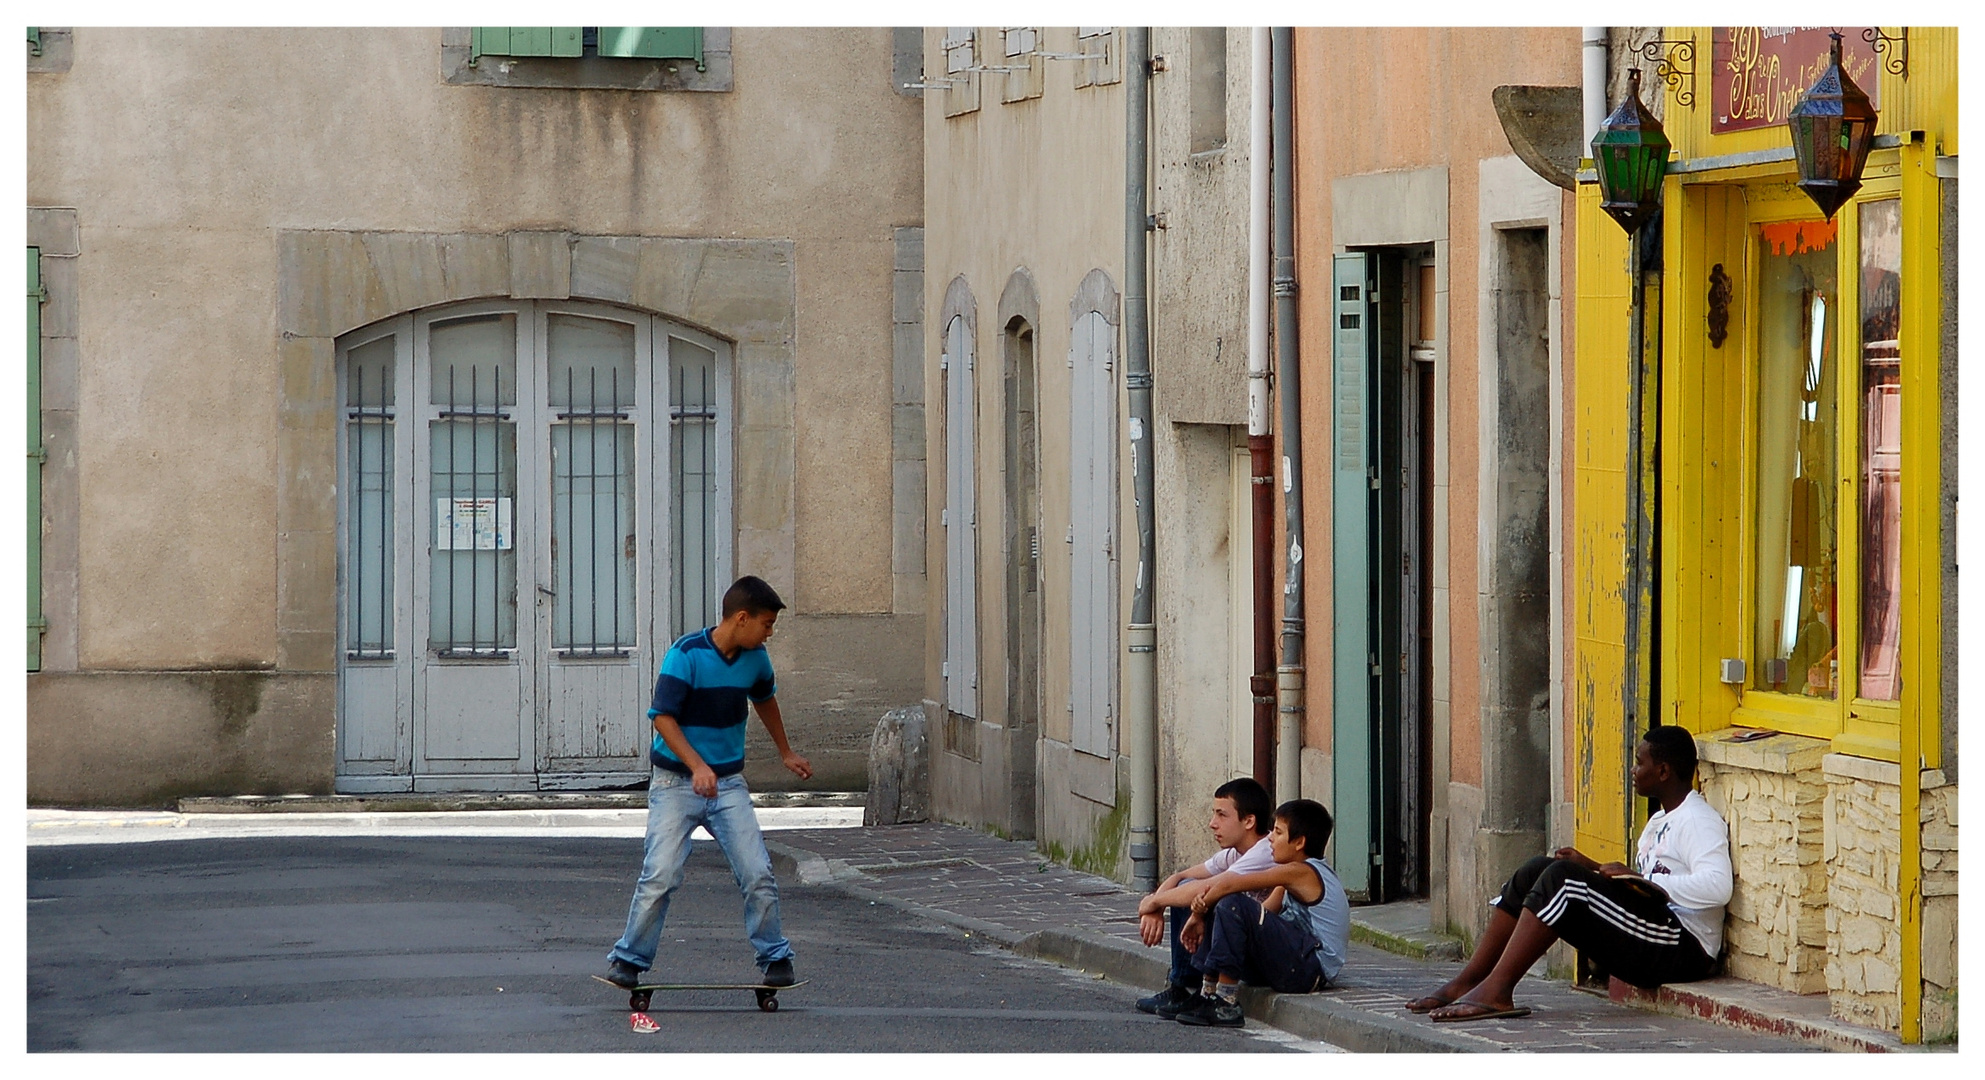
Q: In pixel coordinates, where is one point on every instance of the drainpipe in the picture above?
(1261, 443)
(1288, 375)
(1595, 83)
(1140, 664)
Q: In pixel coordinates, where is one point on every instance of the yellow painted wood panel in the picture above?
(1703, 491)
(1600, 789)
(1922, 462)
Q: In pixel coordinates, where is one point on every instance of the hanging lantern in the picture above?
(1833, 126)
(1630, 154)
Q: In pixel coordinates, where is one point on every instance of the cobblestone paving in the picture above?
(1010, 885)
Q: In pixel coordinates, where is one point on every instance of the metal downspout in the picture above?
(1261, 441)
(1594, 89)
(1288, 773)
(1140, 741)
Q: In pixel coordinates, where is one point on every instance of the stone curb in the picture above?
(1392, 942)
(1309, 1016)
(1702, 1002)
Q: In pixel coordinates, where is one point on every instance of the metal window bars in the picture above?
(593, 499)
(369, 514)
(473, 528)
(693, 458)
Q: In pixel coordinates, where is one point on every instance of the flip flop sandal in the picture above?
(1482, 1012)
(1428, 1004)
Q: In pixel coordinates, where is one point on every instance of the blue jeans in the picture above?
(674, 811)
(1182, 972)
(1257, 948)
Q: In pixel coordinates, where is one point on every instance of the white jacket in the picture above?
(1686, 851)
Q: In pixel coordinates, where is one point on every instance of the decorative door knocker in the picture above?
(1719, 306)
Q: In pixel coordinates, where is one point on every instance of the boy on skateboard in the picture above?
(697, 779)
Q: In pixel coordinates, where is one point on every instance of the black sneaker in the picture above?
(623, 974)
(1166, 1003)
(780, 973)
(1213, 1012)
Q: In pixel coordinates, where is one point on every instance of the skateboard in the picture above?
(638, 996)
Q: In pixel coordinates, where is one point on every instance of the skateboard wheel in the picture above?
(769, 1003)
(638, 1000)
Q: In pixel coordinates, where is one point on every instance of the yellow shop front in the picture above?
(1802, 483)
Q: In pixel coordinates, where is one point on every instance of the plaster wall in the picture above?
(1407, 165)
(1199, 359)
(200, 165)
(1031, 185)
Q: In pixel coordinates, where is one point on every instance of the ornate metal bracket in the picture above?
(1675, 64)
(1898, 59)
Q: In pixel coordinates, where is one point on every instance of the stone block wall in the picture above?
(1864, 860)
(1938, 814)
(1772, 794)
(1816, 847)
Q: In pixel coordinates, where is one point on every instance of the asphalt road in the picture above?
(486, 944)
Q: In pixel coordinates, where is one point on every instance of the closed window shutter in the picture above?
(653, 42)
(525, 41)
(36, 454)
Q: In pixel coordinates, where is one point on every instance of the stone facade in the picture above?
(1773, 797)
(1816, 847)
(1863, 855)
(200, 271)
(1938, 814)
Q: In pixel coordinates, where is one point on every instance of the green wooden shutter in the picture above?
(654, 42)
(1352, 483)
(34, 41)
(36, 455)
(525, 41)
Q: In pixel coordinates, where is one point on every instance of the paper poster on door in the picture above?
(471, 524)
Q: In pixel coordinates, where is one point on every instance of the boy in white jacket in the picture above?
(1663, 924)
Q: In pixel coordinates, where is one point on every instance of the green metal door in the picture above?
(1353, 486)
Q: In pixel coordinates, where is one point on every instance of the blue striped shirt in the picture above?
(706, 694)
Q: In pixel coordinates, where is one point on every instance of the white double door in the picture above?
(531, 511)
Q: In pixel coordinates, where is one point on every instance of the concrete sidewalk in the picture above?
(49, 827)
(1014, 896)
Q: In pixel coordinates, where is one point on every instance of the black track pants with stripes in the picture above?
(1621, 925)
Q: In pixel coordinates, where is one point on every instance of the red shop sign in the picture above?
(1758, 72)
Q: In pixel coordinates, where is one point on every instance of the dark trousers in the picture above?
(1245, 942)
(1623, 925)
(1182, 973)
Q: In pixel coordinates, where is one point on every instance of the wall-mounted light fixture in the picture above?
(1630, 154)
(1833, 126)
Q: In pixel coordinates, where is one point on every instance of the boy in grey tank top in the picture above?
(1294, 942)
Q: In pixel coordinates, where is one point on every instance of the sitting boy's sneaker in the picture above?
(1166, 1003)
(779, 973)
(621, 973)
(1213, 1012)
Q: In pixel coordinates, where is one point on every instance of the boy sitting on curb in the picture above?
(1301, 949)
(1662, 925)
(1240, 819)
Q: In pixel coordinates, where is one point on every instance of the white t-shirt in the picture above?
(1686, 851)
(1259, 857)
